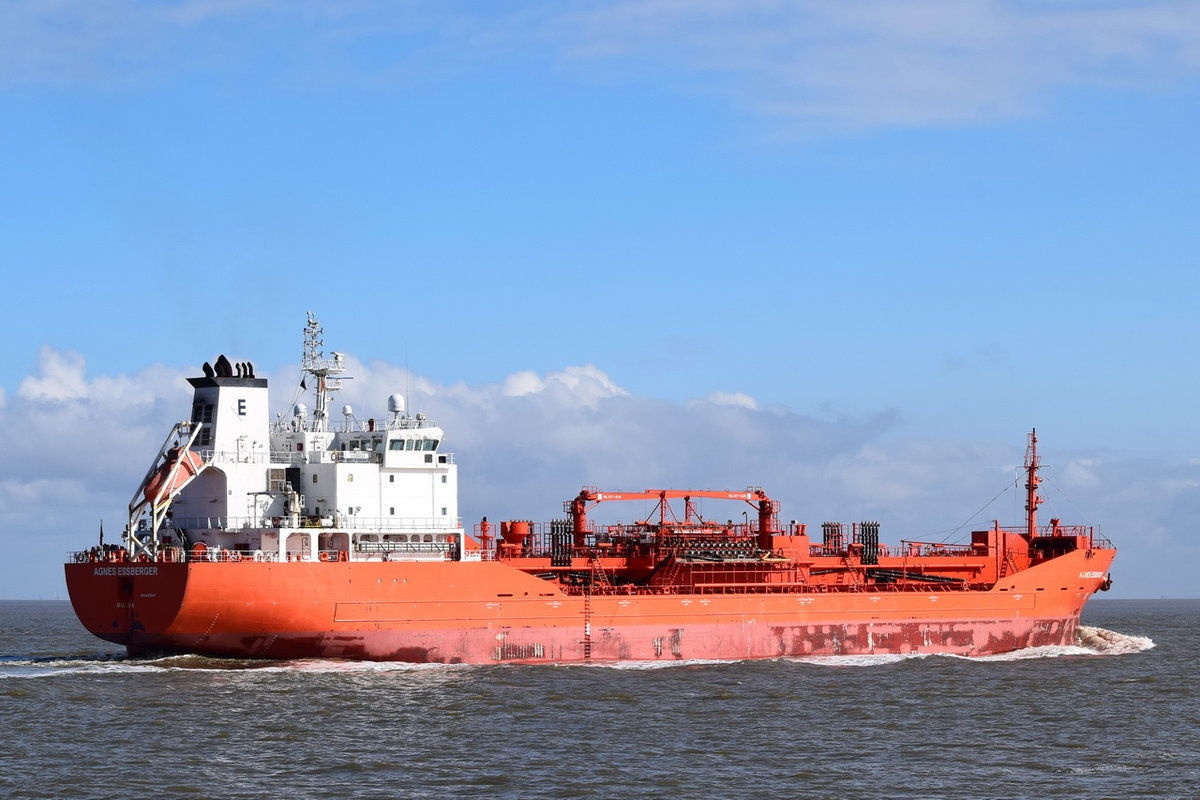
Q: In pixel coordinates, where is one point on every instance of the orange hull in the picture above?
(488, 612)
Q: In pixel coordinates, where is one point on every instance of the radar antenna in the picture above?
(326, 372)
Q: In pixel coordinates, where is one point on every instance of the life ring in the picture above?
(324, 556)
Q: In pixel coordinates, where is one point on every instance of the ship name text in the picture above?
(126, 570)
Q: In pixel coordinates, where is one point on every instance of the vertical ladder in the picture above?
(587, 623)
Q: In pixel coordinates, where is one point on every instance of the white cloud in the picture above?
(27, 499)
(1080, 473)
(812, 62)
(586, 385)
(881, 62)
(61, 425)
(69, 42)
(522, 383)
(75, 448)
(739, 399)
(61, 377)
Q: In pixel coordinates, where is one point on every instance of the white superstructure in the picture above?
(230, 482)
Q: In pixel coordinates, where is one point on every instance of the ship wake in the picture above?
(50, 666)
(103, 664)
(1110, 643)
(1089, 641)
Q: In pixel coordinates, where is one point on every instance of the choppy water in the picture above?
(1117, 716)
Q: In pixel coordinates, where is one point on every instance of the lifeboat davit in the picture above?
(177, 469)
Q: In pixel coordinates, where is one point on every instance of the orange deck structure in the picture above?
(309, 572)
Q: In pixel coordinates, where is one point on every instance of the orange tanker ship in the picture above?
(255, 538)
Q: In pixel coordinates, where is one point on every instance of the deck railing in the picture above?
(349, 522)
(171, 555)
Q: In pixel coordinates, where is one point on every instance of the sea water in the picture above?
(1115, 716)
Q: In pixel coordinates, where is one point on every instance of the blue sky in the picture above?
(848, 251)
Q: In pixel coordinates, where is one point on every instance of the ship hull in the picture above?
(489, 612)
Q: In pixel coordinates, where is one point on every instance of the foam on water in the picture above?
(860, 660)
(45, 668)
(1090, 641)
(1110, 643)
(334, 666)
(642, 665)
(19, 667)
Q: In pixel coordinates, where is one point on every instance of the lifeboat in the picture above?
(179, 467)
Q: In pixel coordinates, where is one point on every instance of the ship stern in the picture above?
(130, 603)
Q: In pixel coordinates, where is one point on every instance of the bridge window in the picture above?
(396, 444)
(202, 412)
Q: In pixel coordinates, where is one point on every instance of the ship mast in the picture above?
(1032, 499)
(314, 363)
